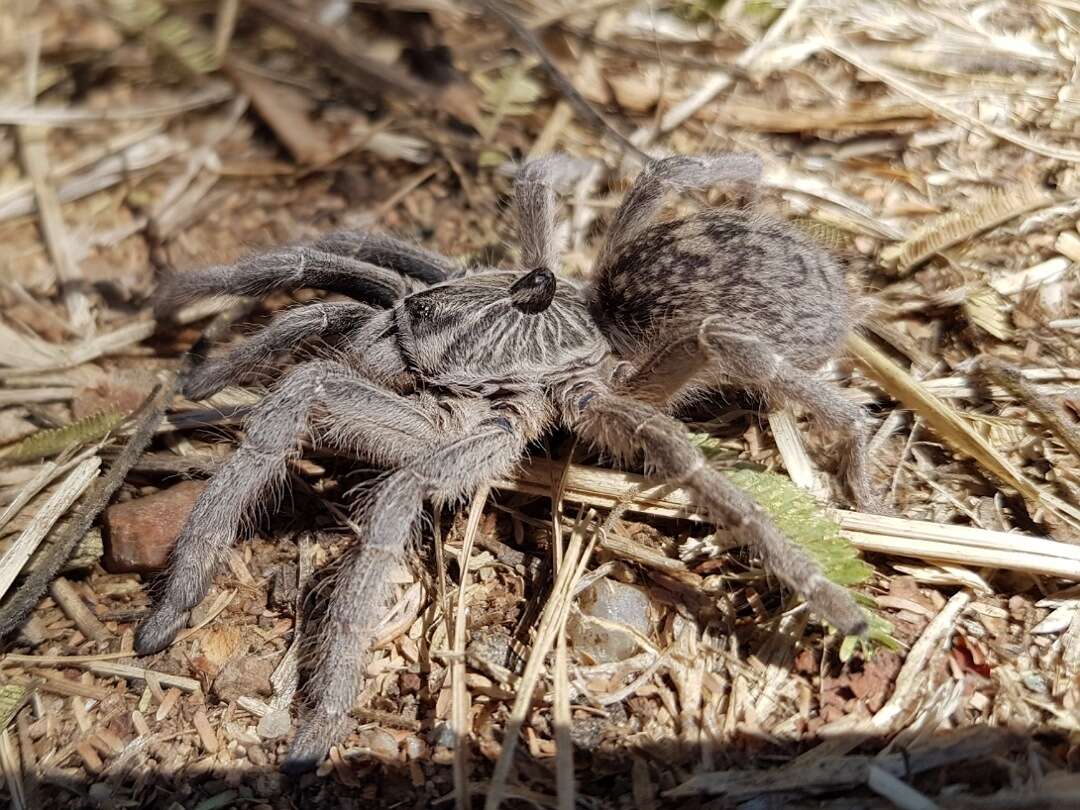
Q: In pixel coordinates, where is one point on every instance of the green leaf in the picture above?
(799, 517)
(53, 441)
(12, 698)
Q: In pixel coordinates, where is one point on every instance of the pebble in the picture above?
(244, 675)
(275, 724)
(140, 534)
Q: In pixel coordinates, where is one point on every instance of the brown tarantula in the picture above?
(448, 374)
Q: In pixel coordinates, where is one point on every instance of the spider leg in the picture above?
(534, 200)
(626, 427)
(747, 361)
(367, 420)
(287, 268)
(285, 332)
(389, 518)
(679, 173)
(391, 253)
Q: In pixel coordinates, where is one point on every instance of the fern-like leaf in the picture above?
(995, 208)
(799, 517)
(52, 441)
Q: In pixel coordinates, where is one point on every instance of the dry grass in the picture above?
(931, 142)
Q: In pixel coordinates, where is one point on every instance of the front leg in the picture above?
(356, 417)
(286, 268)
(285, 333)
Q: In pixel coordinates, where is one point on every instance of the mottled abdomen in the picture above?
(756, 272)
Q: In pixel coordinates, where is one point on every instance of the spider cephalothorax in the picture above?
(443, 377)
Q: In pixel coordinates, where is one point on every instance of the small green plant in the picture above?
(800, 517)
(53, 441)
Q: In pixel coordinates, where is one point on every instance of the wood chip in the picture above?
(75, 609)
(206, 732)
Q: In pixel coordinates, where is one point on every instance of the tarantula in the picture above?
(448, 374)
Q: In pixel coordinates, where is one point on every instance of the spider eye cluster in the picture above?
(533, 292)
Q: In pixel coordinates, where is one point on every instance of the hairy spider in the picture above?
(447, 375)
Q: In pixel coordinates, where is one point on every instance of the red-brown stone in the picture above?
(139, 534)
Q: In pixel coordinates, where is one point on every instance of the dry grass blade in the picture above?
(131, 673)
(797, 461)
(554, 616)
(1053, 269)
(58, 504)
(564, 742)
(604, 488)
(884, 115)
(49, 471)
(19, 114)
(951, 427)
(965, 120)
(995, 208)
(68, 276)
(24, 352)
(9, 762)
(459, 689)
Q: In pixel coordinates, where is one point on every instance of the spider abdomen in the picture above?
(754, 272)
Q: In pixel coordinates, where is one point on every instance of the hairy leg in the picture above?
(534, 197)
(285, 332)
(626, 427)
(680, 173)
(287, 268)
(389, 518)
(717, 352)
(360, 418)
(391, 253)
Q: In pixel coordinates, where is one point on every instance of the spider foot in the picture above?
(159, 629)
(837, 606)
(312, 741)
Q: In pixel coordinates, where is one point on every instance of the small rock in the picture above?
(381, 743)
(636, 92)
(244, 675)
(625, 609)
(256, 755)
(410, 683)
(139, 534)
(275, 724)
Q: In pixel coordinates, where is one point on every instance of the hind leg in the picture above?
(746, 361)
(285, 332)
